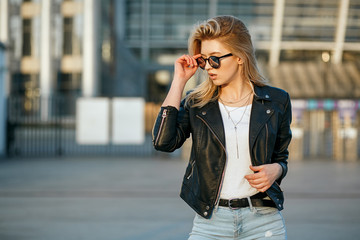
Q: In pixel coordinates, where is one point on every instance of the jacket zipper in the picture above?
(266, 141)
(192, 170)
(223, 172)
(164, 114)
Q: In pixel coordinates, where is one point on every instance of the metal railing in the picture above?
(47, 127)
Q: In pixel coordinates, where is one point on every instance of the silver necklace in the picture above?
(229, 111)
(237, 101)
(237, 123)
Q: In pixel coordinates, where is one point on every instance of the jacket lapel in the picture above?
(211, 114)
(260, 114)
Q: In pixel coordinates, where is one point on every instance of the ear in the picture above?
(240, 61)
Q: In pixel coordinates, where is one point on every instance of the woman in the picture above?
(240, 130)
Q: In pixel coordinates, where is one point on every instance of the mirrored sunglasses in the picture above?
(213, 61)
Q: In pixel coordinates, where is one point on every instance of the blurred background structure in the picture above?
(2, 102)
(58, 51)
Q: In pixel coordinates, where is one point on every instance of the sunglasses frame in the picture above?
(214, 59)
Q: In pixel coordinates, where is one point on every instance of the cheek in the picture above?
(230, 70)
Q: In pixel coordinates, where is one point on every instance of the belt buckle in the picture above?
(231, 207)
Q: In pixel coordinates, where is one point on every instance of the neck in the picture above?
(235, 91)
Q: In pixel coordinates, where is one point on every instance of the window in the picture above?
(27, 37)
(72, 27)
(68, 35)
(69, 83)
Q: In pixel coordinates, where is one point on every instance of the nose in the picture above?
(207, 65)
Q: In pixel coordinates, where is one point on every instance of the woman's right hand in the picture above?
(185, 67)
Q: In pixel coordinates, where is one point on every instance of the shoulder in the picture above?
(275, 94)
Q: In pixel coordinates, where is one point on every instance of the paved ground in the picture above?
(137, 199)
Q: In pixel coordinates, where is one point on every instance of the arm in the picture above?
(266, 175)
(281, 152)
(172, 125)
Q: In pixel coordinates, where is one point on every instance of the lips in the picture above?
(212, 76)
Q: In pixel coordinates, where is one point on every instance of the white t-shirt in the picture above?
(234, 183)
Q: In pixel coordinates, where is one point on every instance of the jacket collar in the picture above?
(261, 93)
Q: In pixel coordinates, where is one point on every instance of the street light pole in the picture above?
(325, 56)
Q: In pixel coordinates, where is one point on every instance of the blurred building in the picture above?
(68, 47)
(72, 48)
(297, 42)
(2, 101)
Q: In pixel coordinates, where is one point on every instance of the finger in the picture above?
(249, 177)
(189, 61)
(256, 186)
(256, 168)
(259, 186)
(197, 56)
(256, 181)
(194, 61)
(253, 176)
(264, 189)
(182, 60)
(184, 57)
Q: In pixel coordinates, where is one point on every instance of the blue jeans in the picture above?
(226, 223)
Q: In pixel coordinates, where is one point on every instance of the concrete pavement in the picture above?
(137, 199)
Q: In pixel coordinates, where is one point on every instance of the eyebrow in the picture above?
(210, 54)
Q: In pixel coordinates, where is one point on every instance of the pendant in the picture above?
(237, 144)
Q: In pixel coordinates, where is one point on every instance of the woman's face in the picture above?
(230, 67)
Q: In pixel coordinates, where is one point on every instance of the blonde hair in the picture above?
(234, 36)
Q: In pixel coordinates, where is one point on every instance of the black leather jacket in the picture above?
(269, 138)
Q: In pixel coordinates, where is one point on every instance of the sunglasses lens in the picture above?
(214, 62)
(201, 61)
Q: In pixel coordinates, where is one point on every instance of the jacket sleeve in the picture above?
(171, 128)
(281, 152)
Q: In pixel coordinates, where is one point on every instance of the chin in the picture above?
(217, 82)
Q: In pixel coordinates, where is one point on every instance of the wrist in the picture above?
(280, 170)
(178, 82)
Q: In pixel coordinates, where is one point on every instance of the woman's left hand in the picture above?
(264, 176)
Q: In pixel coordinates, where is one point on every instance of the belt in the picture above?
(244, 202)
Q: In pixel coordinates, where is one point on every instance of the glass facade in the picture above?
(310, 20)
(138, 40)
(353, 22)
(257, 15)
(157, 33)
